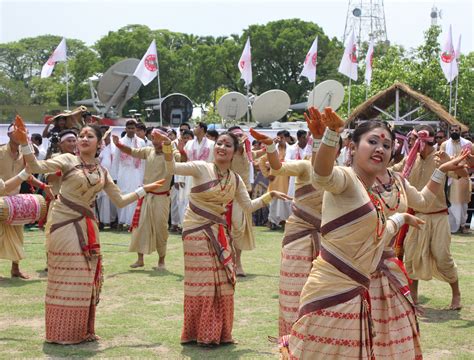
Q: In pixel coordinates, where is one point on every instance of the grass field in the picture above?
(140, 314)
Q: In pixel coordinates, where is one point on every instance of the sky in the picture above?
(89, 20)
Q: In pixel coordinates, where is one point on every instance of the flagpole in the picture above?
(450, 85)
(349, 101)
(159, 89)
(248, 104)
(67, 88)
(456, 94)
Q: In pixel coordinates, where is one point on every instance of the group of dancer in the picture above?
(343, 292)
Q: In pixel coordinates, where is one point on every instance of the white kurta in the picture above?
(129, 174)
(107, 210)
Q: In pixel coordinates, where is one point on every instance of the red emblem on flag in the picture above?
(242, 64)
(151, 63)
(50, 61)
(315, 58)
(353, 54)
(447, 57)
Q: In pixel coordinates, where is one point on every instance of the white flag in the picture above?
(147, 69)
(245, 64)
(458, 49)
(310, 62)
(448, 58)
(368, 63)
(59, 54)
(348, 65)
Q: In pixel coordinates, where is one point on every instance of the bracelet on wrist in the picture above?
(23, 175)
(438, 176)
(316, 145)
(140, 192)
(330, 138)
(270, 148)
(398, 219)
(26, 149)
(167, 148)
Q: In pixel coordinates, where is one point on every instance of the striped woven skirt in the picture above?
(208, 294)
(296, 264)
(395, 325)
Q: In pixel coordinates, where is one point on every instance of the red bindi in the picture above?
(382, 136)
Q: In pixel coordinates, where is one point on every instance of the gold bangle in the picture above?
(267, 198)
(167, 148)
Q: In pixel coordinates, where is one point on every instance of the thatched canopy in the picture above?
(386, 98)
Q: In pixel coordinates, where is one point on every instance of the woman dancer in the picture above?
(334, 314)
(74, 258)
(209, 276)
(300, 244)
(393, 309)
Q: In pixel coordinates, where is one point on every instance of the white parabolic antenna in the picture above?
(232, 106)
(328, 93)
(271, 106)
(118, 85)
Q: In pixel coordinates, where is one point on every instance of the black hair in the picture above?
(301, 133)
(172, 131)
(131, 122)
(235, 139)
(235, 127)
(202, 126)
(86, 114)
(149, 130)
(284, 133)
(141, 126)
(185, 124)
(37, 137)
(188, 132)
(213, 133)
(367, 126)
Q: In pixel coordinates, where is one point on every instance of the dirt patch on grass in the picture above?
(32, 323)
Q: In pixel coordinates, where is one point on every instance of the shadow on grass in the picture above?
(84, 350)
(439, 315)
(249, 277)
(9, 282)
(224, 351)
(151, 273)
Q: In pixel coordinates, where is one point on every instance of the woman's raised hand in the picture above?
(314, 121)
(456, 163)
(332, 120)
(115, 140)
(20, 134)
(157, 134)
(151, 187)
(264, 139)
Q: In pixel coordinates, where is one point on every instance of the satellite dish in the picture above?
(176, 108)
(118, 85)
(357, 12)
(271, 106)
(232, 106)
(328, 93)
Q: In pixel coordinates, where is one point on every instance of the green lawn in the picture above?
(140, 314)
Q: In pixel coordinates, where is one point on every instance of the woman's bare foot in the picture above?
(456, 303)
(160, 267)
(137, 265)
(19, 274)
(92, 338)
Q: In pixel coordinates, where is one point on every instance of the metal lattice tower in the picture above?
(367, 19)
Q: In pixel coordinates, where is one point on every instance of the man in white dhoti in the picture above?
(459, 194)
(107, 210)
(129, 171)
(178, 196)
